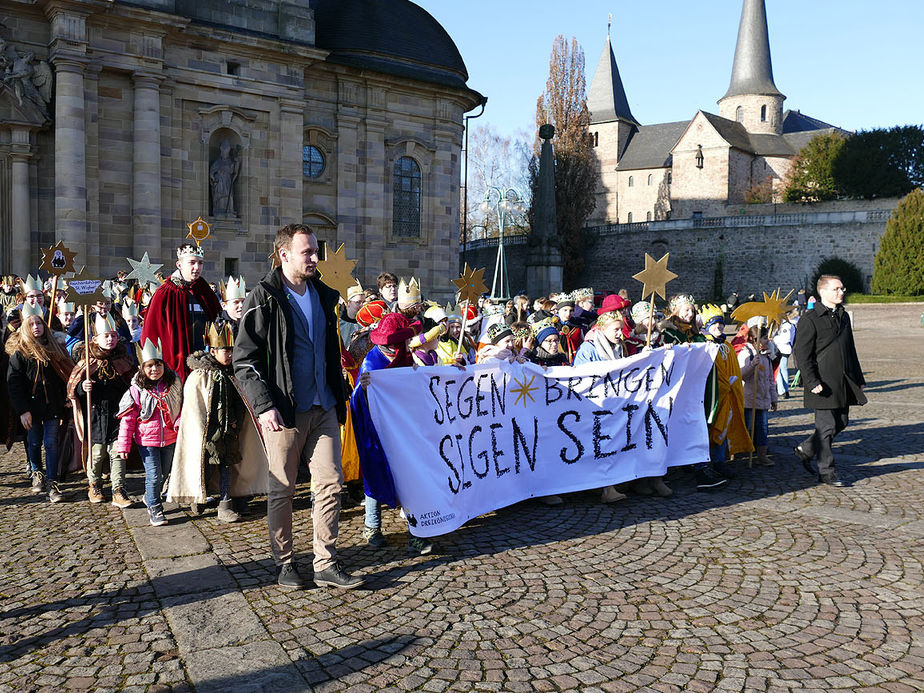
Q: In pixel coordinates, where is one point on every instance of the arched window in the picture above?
(670, 177)
(650, 178)
(312, 161)
(739, 114)
(631, 182)
(406, 198)
(629, 218)
(648, 216)
(763, 114)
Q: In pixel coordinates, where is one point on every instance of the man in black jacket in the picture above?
(287, 360)
(831, 375)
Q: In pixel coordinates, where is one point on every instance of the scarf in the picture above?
(606, 348)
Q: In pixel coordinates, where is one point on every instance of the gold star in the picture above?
(773, 308)
(337, 271)
(524, 390)
(655, 276)
(83, 290)
(199, 230)
(143, 270)
(470, 284)
(274, 256)
(58, 259)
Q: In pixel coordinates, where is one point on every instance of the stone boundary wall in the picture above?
(712, 256)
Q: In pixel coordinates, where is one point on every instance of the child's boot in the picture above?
(226, 512)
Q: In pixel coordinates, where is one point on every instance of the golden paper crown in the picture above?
(103, 325)
(151, 352)
(354, 291)
(129, 309)
(31, 283)
(409, 293)
(28, 310)
(710, 311)
(65, 307)
(219, 335)
(189, 250)
(233, 289)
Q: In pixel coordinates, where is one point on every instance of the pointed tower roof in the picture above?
(606, 99)
(752, 72)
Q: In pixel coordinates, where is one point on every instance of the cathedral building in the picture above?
(122, 122)
(697, 167)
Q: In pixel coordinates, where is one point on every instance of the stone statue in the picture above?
(32, 82)
(222, 174)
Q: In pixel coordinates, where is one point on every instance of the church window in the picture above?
(231, 266)
(763, 114)
(406, 198)
(739, 114)
(629, 218)
(648, 216)
(312, 161)
(699, 156)
(631, 182)
(670, 177)
(650, 179)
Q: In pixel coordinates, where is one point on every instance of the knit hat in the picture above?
(394, 329)
(545, 332)
(498, 331)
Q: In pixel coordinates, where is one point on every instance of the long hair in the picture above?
(44, 350)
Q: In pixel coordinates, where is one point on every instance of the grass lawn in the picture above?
(871, 298)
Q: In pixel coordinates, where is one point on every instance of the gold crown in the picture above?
(28, 310)
(354, 291)
(710, 311)
(408, 293)
(219, 336)
(103, 325)
(129, 309)
(65, 307)
(151, 352)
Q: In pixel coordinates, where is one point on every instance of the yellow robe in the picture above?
(349, 455)
(727, 420)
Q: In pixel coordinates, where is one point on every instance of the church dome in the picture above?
(395, 37)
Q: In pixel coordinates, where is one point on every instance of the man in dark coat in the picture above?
(831, 375)
(287, 361)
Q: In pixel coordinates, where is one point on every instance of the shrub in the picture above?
(899, 264)
(848, 272)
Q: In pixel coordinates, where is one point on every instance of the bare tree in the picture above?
(564, 105)
(501, 162)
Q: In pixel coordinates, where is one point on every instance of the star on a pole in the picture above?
(83, 290)
(274, 257)
(655, 276)
(337, 271)
(58, 259)
(773, 308)
(199, 230)
(524, 390)
(143, 270)
(470, 284)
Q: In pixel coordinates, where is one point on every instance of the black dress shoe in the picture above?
(806, 460)
(288, 576)
(836, 483)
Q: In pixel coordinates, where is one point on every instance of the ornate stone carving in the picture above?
(31, 81)
(222, 174)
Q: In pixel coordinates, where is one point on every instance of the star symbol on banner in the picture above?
(337, 271)
(655, 276)
(524, 390)
(58, 259)
(470, 284)
(143, 270)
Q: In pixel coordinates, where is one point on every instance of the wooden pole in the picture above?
(53, 308)
(650, 321)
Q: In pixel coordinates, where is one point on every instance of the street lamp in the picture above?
(504, 201)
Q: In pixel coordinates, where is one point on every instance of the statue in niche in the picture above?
(222, 174)
(32, 82)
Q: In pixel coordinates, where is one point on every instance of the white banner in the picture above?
(463, 443)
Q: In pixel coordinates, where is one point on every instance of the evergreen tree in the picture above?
(811, 178)
(899, 264)
(564, 105)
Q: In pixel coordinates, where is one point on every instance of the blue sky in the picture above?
(853, 63)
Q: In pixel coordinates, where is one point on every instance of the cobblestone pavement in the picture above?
(772, 584)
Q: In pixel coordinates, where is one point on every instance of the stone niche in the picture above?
(225, 169)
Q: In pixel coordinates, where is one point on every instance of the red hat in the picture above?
(394, 329)
(613, 302)
(371, 313)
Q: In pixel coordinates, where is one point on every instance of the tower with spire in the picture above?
(752, 98)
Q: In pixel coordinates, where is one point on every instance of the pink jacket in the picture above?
(756, 368)
(157, 432)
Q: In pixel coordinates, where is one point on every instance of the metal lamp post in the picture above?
(504, 201)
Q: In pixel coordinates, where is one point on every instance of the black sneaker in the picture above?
(337, 576)
(288, 576)
(419, 546)
(707, 479)
(724, 470)
(156, 515)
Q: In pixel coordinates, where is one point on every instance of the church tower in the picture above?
(752, 98)
(611, 126)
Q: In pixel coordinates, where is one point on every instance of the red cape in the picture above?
(167, 319)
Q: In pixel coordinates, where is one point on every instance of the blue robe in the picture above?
(377, 478)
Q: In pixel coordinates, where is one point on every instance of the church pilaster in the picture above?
(146, 197)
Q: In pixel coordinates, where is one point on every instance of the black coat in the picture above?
(264, 344)
(35, 388)
(826, 355)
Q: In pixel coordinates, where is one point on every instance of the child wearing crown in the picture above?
(149, 412)
(38, 368)
(110, 375)
(217, 445)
